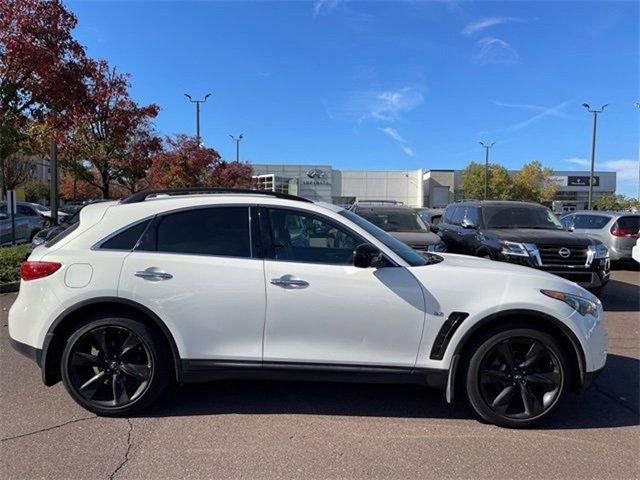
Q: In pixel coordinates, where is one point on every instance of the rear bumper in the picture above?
(28, 351)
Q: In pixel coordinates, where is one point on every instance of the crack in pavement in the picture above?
(126, 454)
(613, 399)
(42, 430)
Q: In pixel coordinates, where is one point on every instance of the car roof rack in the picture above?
(142, 195)
(380, 202)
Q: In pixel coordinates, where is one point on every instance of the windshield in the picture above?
(403, 250)
(519, 216)
(395, 220)
(41, 208)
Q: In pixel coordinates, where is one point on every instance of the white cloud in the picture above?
(555, 111)
(626, 170)
(408, 150)
(491, 50)
(381, 105)
(486, 22)
(322, 7)
(393, 133)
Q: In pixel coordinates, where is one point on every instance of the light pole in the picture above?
(197, 102)
(593, 147)
(237, 139)
(486, 166)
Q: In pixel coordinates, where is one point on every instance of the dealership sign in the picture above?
(316, 176)
(582, 181)
(574, 180)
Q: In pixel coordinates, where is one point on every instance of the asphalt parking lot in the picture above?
(245, 429)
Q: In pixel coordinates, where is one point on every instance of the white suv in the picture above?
(234, 284)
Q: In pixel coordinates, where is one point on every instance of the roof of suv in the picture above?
(497, 202)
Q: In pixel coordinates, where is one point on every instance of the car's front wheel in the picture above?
(114, 366)
(516, 377)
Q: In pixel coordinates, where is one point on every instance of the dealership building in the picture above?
(415, 188)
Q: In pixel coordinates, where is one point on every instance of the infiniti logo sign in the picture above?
(316, 173)
(564, 252)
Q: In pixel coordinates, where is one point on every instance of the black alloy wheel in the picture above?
(520, 378)
(111, 367)
(516, 379)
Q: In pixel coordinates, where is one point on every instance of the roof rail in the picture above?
(383, 202)
(142, 195)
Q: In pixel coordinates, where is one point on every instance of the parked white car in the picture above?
(234, 284)
(635, 251)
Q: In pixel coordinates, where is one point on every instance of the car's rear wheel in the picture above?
(517, 377)
(114, 366)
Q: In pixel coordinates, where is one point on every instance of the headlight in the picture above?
(516, 249)
(438, 247)
(579, 304)
(599, 251)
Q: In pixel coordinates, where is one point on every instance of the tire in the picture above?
(527, 391)
(484, 254)
(115, 366)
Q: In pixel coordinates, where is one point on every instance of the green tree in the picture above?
(34, 190)
(616, 202)
(499, 182)
(533, 183)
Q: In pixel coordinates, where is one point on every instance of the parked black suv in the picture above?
(525, 233)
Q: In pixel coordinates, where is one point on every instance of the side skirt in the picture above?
(210, 370)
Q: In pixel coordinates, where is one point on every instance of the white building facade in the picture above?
(414, 188)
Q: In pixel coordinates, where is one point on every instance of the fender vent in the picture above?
(447, 330)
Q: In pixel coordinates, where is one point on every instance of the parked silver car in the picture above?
(28, 222)
(617, 230)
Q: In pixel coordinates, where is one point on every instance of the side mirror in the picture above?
(466, 223)
(366, 255)
(434, 228)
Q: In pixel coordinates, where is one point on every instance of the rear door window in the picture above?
(219, 231)
(590, 222)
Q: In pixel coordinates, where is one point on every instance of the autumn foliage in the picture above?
(107, 144)
(186, 163)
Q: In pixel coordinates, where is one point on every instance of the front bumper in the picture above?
(595, 275)
(589, 379)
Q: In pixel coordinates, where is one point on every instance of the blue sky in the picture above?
(385, 85)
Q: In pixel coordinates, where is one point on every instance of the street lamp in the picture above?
(237, 139)
(593, 147)
(486, 166)
(197, 102)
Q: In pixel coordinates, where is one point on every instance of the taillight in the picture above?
(622, 232)
(34, 270)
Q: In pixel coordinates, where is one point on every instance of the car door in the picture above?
(468, 235)
(198, 271)
(447, 229)
(20, 222)
(323, 310)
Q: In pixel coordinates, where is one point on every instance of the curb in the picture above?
(9, 287)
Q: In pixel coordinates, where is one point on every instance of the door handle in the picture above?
(154, 275)
(289, 281)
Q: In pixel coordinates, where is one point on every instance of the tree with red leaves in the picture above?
(185, 163)
(41, 70)
(110, 138)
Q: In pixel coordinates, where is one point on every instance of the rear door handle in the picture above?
(289, 281)
(153, 275)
